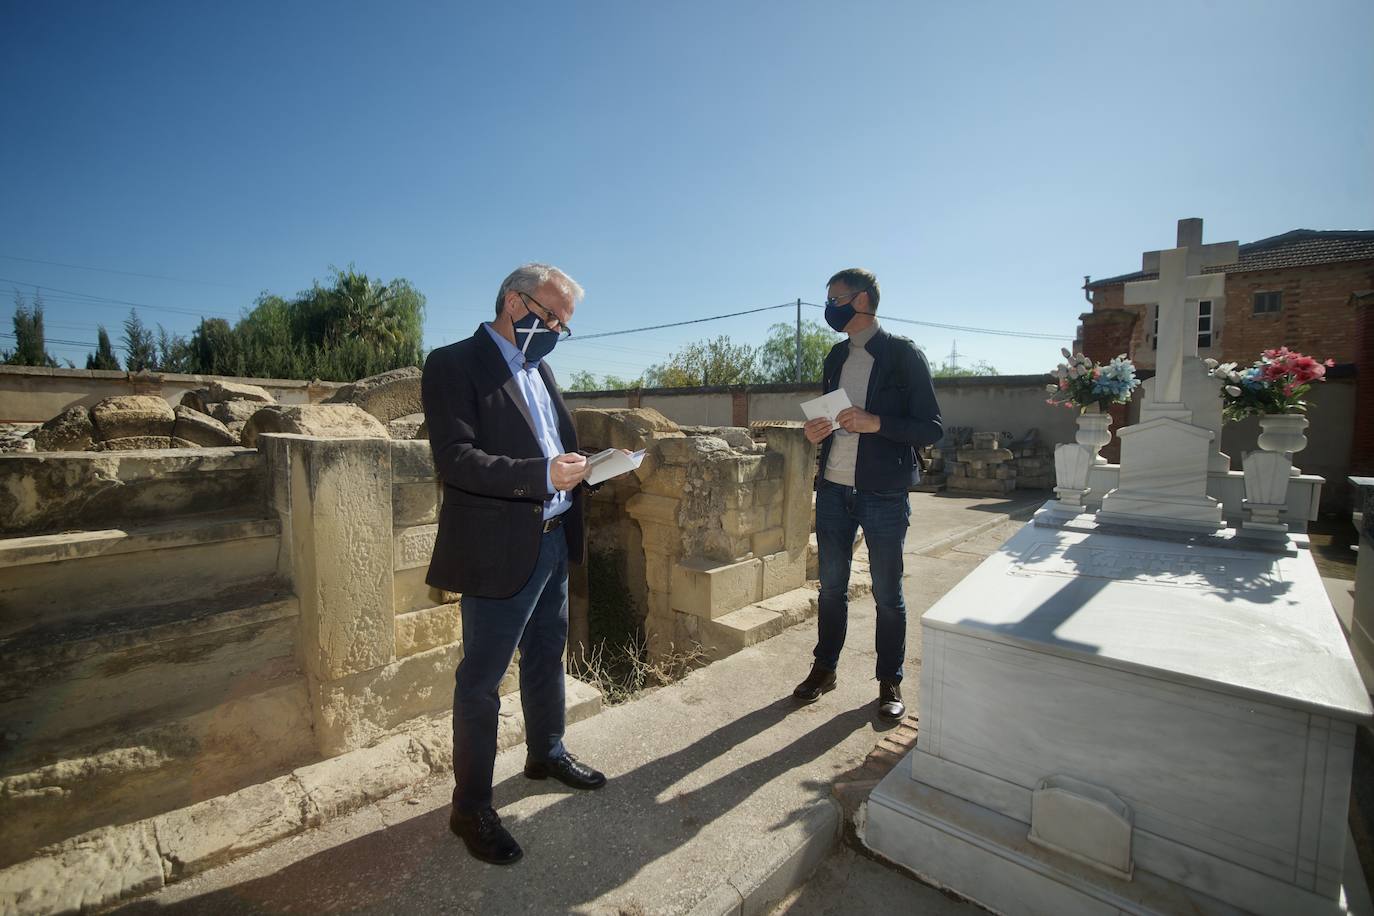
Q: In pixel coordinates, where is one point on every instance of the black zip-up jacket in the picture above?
(902, 395)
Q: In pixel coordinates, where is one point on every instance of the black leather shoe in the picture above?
(817, 682)
(890, 700)
(567, 770)
(485, 838)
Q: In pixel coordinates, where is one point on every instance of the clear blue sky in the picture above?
(680, 160)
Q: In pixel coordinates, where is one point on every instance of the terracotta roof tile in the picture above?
(1299, 248)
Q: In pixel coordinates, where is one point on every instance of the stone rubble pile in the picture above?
(14, 437)
(1034, 462)
(226, 413)
(982, 467)
(977, 462)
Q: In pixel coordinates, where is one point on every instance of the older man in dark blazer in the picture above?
(506, 451)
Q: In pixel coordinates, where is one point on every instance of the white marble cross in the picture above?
(1181, 281)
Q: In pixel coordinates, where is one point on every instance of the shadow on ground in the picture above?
(578, 848)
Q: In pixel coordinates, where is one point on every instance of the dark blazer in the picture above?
(493, 470)
(901, 393)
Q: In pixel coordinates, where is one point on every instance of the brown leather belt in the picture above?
(553, 524)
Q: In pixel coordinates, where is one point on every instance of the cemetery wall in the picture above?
(30, 394)
(1011, 404)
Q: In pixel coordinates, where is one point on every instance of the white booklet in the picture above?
(828, 406)
(612, 462)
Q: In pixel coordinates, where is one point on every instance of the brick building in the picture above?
(1292, 289)
(1306, 289)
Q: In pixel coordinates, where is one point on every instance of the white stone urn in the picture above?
(1283, 433)
(1094, 431)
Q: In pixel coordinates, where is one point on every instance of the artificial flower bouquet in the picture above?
(1082, 383)
(1277, 382)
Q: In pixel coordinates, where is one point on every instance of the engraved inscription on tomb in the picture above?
(1149, 567)
(414, 546)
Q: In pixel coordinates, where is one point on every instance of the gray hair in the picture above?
(529, 277)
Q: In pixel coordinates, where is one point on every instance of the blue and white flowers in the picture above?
(1081, 383)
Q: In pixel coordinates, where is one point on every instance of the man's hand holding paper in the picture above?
(823, 414)
(612, 463)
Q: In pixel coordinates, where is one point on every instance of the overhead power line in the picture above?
(961, 327)
(122, 273)
(91, 299)
(678, 324)
(54, 340)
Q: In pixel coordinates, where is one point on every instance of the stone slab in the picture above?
(340, 784)
(955, 844)
(201, 430)
(709, 589)
(225, 390)
(84, 873)
(132, 416)
(75, 545)
(219, 829)
(1184, 612)
(425, 629)
(69, 431)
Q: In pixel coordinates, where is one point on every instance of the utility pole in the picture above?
(799, 378)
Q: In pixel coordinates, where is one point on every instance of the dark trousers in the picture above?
(884, 516)
(535, 620)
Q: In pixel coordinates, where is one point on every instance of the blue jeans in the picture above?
(535, 619)
(884, 516)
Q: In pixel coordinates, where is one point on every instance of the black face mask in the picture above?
(839, 316)
(539, 341)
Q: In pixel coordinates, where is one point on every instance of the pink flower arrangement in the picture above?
(1274, 383)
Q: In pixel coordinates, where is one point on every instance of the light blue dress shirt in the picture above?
(540, 405)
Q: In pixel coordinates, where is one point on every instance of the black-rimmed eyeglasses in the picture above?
(550, 321)
(832, 301)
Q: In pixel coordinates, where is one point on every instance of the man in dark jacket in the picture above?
(506, 450)
(867, 465)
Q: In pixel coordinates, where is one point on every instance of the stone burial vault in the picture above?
(1147, 708)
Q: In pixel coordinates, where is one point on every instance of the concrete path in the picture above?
(848, 884)
(719, 795)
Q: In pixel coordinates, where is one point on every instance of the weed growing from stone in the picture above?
(624, 671)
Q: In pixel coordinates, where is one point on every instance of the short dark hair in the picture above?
(860, 281)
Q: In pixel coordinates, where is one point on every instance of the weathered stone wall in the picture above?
(179, 624)
(30, 394)
(711, 524)
(150, 640)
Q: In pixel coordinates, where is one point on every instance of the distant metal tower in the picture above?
(952, 360)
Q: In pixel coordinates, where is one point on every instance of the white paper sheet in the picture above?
(828, 406)
(612, 463)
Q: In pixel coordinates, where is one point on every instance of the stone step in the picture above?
(186, 531)
(76, 683)
(762, 620)
(53, 579)
(123, 774)
(181, 828)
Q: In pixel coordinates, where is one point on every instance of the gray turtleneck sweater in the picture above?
(858, 365)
